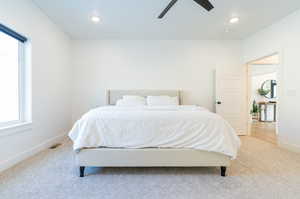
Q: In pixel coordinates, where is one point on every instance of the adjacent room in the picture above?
(263, 76)
(149, 99)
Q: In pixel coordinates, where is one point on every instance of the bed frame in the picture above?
(148, 157)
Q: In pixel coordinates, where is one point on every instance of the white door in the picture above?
(231, 99)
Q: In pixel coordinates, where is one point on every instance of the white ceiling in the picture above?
(269, 60)
(257, 70)
(137, 19)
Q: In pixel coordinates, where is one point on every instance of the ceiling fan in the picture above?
(204, 3)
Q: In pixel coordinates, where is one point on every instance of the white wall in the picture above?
(50, 80)
(282, 37)
(139, 64)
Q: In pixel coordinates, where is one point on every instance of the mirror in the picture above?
(270, 89)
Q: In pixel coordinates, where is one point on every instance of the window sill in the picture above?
(16, 128)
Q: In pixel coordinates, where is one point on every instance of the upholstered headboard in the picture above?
(112, 96)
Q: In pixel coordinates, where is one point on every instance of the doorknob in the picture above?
(219, 102)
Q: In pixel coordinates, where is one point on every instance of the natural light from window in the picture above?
(9, 79)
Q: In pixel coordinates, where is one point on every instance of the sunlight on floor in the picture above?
(265, 131)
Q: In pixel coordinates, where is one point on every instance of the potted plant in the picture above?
(263, 92)
(255, 110)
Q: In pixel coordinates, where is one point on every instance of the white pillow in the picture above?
(135, 97)
(162, 101)
(131, 102)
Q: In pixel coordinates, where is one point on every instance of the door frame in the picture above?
(279, 87)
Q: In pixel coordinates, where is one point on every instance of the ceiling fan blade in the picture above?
(205, 4)
(164, 12)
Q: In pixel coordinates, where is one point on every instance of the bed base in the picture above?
(150, 157)
(82, 168)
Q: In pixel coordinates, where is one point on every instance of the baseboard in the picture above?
(31, 152)
(290, 147)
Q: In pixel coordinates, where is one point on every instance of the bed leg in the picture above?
(81, 170)
(223, 171)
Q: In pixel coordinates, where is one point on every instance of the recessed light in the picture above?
(95, 19)
(234, 20)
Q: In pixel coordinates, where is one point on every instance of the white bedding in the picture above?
(165, 127)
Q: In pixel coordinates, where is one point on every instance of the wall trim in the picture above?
(290, 147)
(29, 153)
(15, 129)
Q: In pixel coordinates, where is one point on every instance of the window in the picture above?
(12, 77)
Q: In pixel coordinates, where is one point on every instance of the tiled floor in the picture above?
(265, 131)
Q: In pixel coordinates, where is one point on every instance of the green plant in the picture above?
(255, 108)
(263, 92)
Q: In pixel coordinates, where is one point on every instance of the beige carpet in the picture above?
(262, 170)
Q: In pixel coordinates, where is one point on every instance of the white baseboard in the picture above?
(26, 154)
(290, 147)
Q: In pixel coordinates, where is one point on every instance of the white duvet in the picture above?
(165, 127)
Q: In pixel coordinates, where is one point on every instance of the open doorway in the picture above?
(263, 97)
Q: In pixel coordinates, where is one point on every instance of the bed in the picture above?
(186, 136)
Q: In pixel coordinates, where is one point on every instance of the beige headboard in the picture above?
(113, 95)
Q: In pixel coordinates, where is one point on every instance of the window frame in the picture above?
(23, 82)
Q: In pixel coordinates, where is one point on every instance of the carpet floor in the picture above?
(262, 170)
